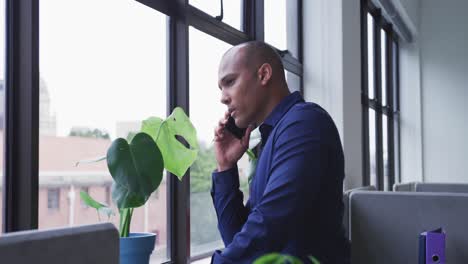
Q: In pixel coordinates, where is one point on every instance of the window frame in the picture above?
(21, 169)
(21, 163)
(391, 109)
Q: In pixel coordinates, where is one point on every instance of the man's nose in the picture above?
(224, 99)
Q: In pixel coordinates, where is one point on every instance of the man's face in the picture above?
(239, 88)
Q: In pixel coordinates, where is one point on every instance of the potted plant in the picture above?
(137, 171)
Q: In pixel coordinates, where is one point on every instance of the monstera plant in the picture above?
(137, 166)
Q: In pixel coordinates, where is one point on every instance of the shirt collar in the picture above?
(278, 112)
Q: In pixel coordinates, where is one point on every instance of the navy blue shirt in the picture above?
(295, 205)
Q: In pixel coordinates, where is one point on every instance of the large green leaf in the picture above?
(314, 260)
(137, 169)
(89, 201)
(177, 157)
(124, 198)
(101, 208)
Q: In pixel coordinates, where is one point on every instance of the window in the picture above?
(53, 199)
(95, 87)
(99, 77)
(281, 25)
(370, 56)
(372, 150)
(380, 100)
(205, 94)
(2, 100)
(396, 112)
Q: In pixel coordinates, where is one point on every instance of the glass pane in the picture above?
(396, 107)
(395, 83)
(370, 56)
(2, 102)
(385, 151)
(372, 148)
(281, 28)
(205, 94)
(383, 56)
(231, 10)
(293, 81)
(95, 87)
(396, 136)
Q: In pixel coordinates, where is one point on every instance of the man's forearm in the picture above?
(228, 203)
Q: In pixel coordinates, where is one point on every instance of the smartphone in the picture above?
(236, 131)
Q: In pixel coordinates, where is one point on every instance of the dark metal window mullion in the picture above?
(300, 38)
(396, 95)
(292, 64)
(169, 8)
(365, 96)
(300, 53)
(371, 8)
(254, 19)
(390, 118)
(378, 96)
(213, 27)
(178, 95)
(21, 141)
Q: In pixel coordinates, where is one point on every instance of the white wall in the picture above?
(332, 78)
(433, 83)
(444, 78)
(434, 93)
(411, 133)
(332, 72)
(409, 11)
(411, 146)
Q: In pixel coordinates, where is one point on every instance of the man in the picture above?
(295, 205)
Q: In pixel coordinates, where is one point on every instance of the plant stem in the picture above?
(125, 220)
(251, 154)
(129, 219)
(121, 222)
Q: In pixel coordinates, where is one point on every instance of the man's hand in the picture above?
(229, 149)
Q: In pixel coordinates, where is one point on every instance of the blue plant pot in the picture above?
(136, 248)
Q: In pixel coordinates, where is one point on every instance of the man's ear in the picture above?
(264, 73)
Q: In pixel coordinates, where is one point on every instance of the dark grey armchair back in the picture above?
(431, 187)
(77, 245)
(346, 205)
(385, 226)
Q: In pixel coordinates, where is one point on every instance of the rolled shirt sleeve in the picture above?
(228, 202)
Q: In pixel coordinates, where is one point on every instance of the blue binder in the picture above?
(432, 247)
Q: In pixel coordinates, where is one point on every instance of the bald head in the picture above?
(251, 80)
(253, 54)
